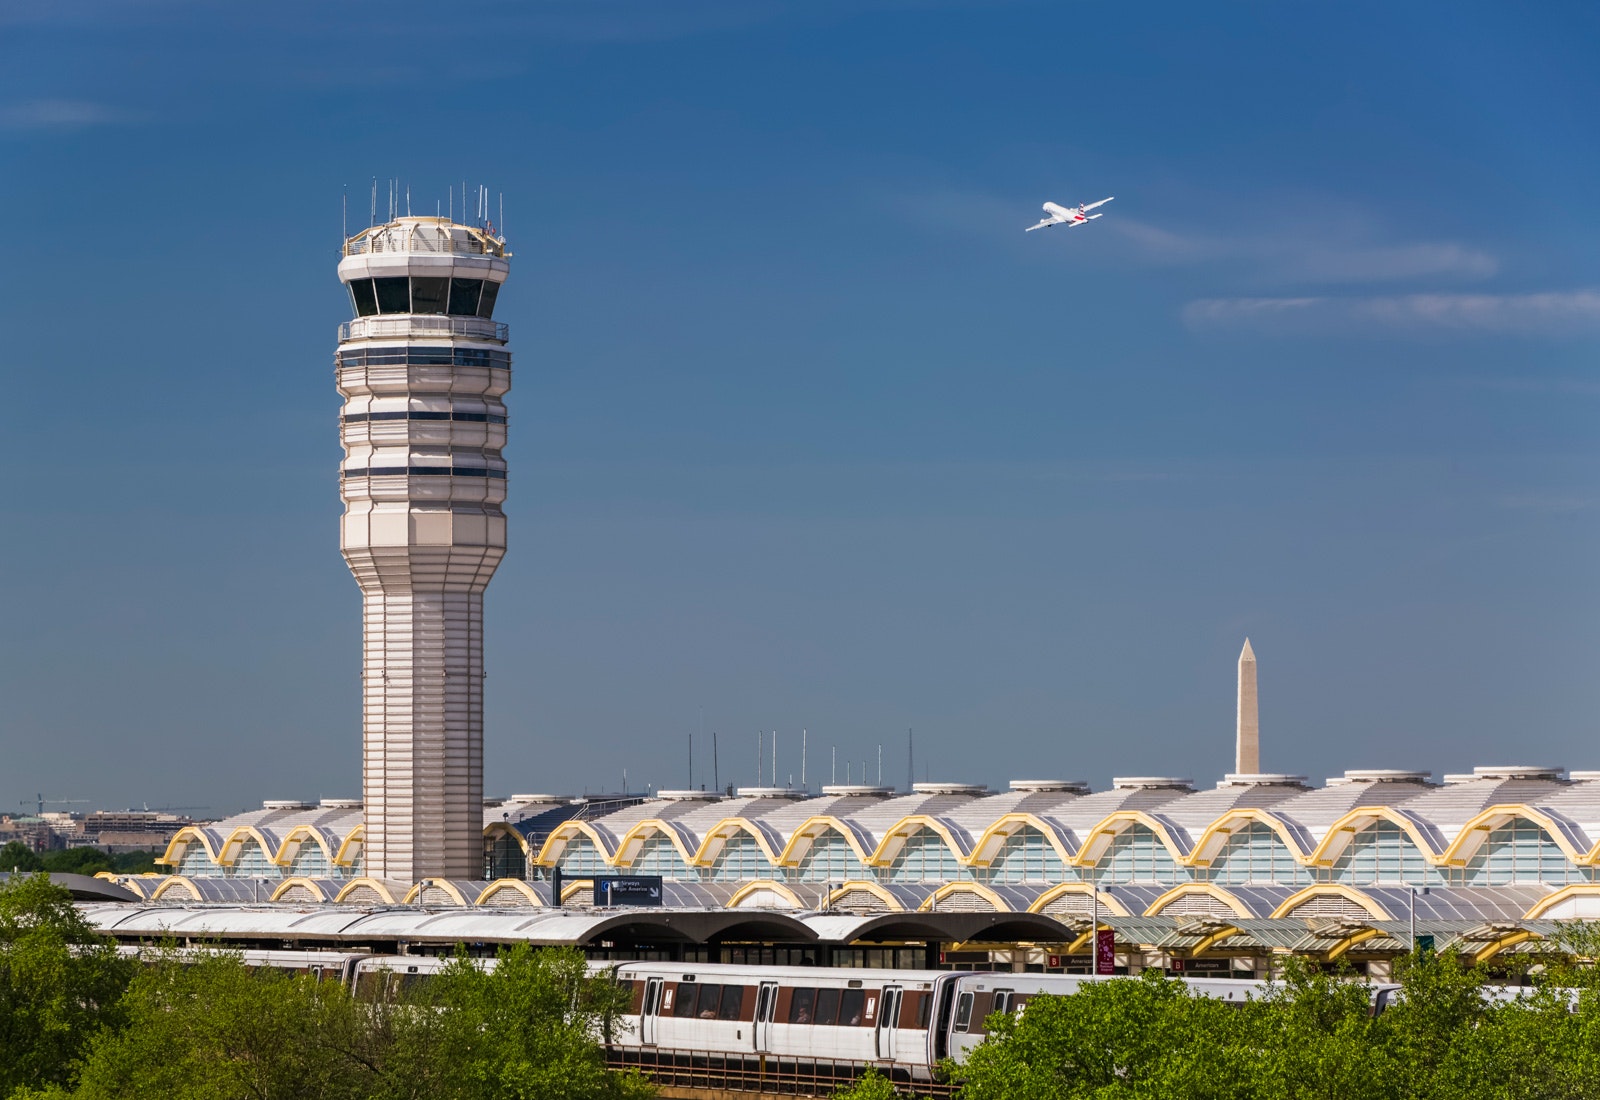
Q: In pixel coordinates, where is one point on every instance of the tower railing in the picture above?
(411, 324)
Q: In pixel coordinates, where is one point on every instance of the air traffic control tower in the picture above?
(423, 367)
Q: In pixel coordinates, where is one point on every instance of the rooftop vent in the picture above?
(857, 790)
(1040, 786)
(535, 798)
(340, 803)
(285, 804)
(1583, 777)
(1261, 779)
(1151, 783)
(1379, 775)
(689, 796)
(770, 792)
(1517, 771)
(950, 788)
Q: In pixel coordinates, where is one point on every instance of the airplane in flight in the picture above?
(1067, 215)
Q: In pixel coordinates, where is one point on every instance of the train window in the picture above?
(801, 1005)
(963, 1012)
(1002, 1000)
(850, 1005)
(708, 1001)
(924, 1009)
(686, 995)
(827, 1006)
(369, 985)
(732, 1001)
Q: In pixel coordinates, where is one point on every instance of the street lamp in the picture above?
(1415, 890)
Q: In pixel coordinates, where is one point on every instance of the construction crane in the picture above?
(43, 802)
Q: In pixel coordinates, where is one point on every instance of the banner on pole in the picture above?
(1105, 951)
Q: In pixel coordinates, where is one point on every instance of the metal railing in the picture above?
(467, 244)
(768, 1073)
(411, 324)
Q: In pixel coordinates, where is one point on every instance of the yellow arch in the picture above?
(868, 886)
(378, 886)
(290, 883)
(1472, 835)
(1510, 939)
(1566, 893)
(1216, 836)
(181, 840)
(1209, 889)
(512, 886)
(127, 882)
(1351, 941)
(505, 828)
(1110, 827)
(633, 840)
(1213, 939)
(1324, 889)
(350, 847)
(995, 836)
(931, 902)
(1342, 831)
(174, 883)
(235, 840)
(799, 842)
(1110, 904)
(906, 828)
(765, 884)
(414, 895)
(296, 837)
(556, 843)
(723, 831)
(571, 889)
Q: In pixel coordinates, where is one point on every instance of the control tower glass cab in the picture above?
(423, 369)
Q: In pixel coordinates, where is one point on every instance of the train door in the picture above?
(766, 1008)
(888, 1021)
(649, 1010)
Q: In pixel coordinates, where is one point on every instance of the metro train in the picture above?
(788, 1020)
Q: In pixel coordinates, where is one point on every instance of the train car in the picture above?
(978, 996)
(327, 966)
(793, 1018)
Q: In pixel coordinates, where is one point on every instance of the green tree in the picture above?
(1319, 1041)
(207, 1027)
(1131, 1039)
(76, 861)
(60, 984)
(529, 1029)
(870, 1086)
(17, 856)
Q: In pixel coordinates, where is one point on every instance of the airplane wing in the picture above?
(1042, 225)
(1092, 205)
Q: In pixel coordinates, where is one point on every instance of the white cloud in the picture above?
(1320, 252)
(61, 114)
(1549, 313)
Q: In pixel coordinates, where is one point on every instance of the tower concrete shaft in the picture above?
(423, 368)
(1247, 748)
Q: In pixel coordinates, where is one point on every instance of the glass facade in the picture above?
(925, 857)
(1137, 855)
(830, 859)
(1026, 856)
(424, 294)
(1383, 854)
(1256, 854)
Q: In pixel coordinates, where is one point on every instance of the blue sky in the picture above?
(806, 432)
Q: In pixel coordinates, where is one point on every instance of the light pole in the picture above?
(1415, 890)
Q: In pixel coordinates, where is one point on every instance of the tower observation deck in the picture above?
(423, 368)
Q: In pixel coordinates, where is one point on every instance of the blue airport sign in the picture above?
(627, 890)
